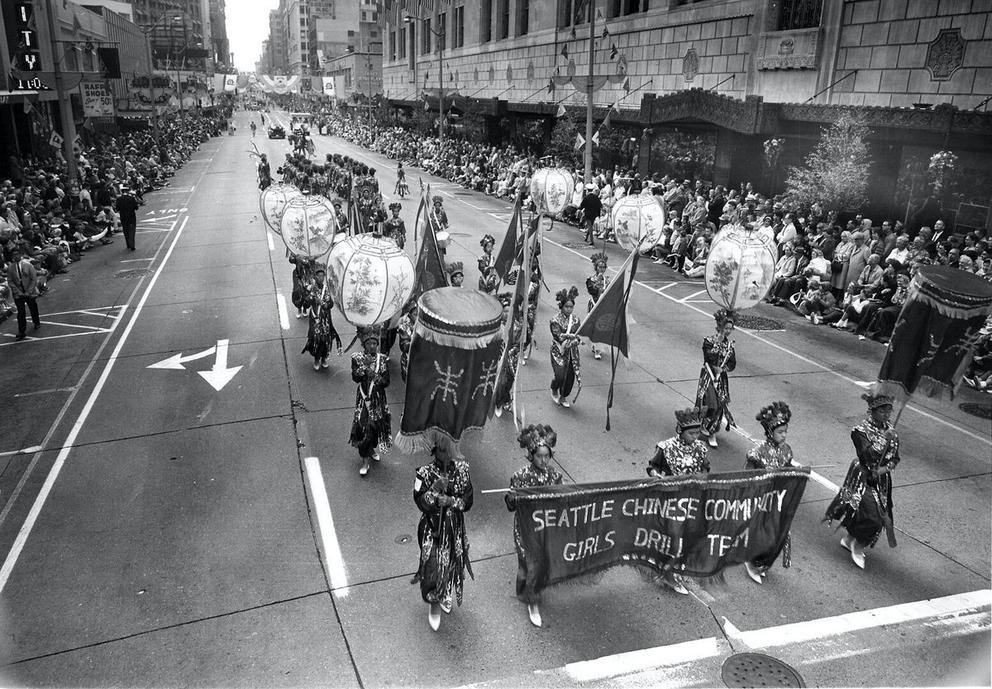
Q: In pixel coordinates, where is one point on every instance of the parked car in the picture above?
(277, 132)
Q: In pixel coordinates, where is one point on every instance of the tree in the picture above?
(836, 171)
(563, 142)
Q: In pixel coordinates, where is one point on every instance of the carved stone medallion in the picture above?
(946, 54)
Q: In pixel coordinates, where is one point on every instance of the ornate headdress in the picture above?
(601, 257)
(395, 206)
(505, 298)
(876, 401)
(438, 199)
(566, 295)
(774, 415)
(487, 239)
(724, 316)
(368, 333)
(688, 418)
(455, 268)
(537, 435)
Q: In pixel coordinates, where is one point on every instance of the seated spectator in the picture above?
(817, 303)
(853, 308)
(696, 265)
(883, 320)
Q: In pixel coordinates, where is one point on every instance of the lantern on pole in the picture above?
(272, 202)
(740, 267)
(551, 189)
(308, 226)
(638, 222)
(371, 279)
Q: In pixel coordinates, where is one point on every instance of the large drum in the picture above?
(454, 361)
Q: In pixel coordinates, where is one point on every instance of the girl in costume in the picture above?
(773, 453)
(683, 454)
(596, 285)
(371, 426)
(405, 336)
(456, 274)
(713, 391)
(442, 490)
(565, 347)
(504, 388)
(864, 504)
(533, 294)
(395, 228)
(539, 442)
(321, 334)
(487, 266)
(303, 269)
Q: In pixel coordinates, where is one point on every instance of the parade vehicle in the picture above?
(277, 132)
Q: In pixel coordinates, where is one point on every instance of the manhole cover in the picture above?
(758, 323)
(403, 538)
(982, 411)
(133, 273)
(758, 670)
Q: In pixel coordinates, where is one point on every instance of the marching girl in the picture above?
(539, 443)
(321, 333)
(565, 347)
(394, 227)
(713, 391)
(683, 454)
(773, 453)
(596, 285)
(487, 266)
(533, 294)
(303, 270)
(504, 389)
(405, 336)
(371, 426)
(864, 504)
(442, 490)
(456, 274)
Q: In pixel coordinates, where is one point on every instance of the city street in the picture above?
(179, 504)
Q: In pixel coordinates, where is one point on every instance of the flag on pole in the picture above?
(572, 33)
(607, 322)
(504, 261)
(626, 84)
(579, 141)
(564, 51)
(606, 120)
(613, 51)
(561, 111)
(606, 32)
(595, 138)
(430, 268)
(519, 311)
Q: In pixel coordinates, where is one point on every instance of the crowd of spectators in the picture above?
(54, 220)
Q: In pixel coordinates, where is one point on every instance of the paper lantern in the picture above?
(371, 279)
(308, 226)
(638, 222)
(740, 267)
(551, 189)
(272, 202)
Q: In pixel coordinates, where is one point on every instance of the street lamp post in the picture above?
(440, 34)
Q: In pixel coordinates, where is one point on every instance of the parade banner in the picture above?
(692, 525)
(328, 86)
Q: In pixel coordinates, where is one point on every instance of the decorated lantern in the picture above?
(551, 189)
(638, 222)
(272, 202)
(371, 279)
(308, 226)
(740, 267)
(454, 364)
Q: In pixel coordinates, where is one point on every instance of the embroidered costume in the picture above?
(713, 391)
(596, 285)
(371, 425)
(565, 349)
(488, 279)
(675, 457)
(395, 228)
(321, 333)
(771, 454)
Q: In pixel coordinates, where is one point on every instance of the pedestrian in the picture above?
(539, 443)
(22, 277)
(442, 490)
(596, 285)
(401, 186)
(863, 505)
(565, 348)
(683, 454)
(264, 173)
(371, 426)
(772, 453)
(321, 333)
(127, 208)
(713, 391)
(590, 208)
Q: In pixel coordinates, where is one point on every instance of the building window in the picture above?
(573, 12)
(799, 14)
(523, 17)
(442, 31)
(459, 28)
(401, 40)
(392, 45)
(425, 38)
(485, 21)
(502, 19)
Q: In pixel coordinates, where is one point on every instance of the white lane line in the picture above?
(283, 313)
(53, 474)
(272, 244)
(683, 300)
(333, 560)
(759, 338)
(44, 392)
(646, 659)
(136, 260)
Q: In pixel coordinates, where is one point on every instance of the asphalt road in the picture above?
(172, 533)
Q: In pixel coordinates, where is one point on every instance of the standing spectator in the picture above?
(591, 207)
(127, 207)
(23, 280)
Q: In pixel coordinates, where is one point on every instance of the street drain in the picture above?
(758, 670)
(982, 411)
(132, 273)
(758, 323)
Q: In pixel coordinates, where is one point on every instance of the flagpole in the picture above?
(589, 91)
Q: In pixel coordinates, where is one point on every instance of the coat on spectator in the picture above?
(23, 279)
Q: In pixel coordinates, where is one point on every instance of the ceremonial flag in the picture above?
(613, 51)
(606, 120)
(551, 86)
(507, 251)
(606, 32)
(430, 268)
(607, 322)
(626, 84)
(564, 51)
(561, 111)
(572, 33)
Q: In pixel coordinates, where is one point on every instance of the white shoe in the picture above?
(754, 573)
(674, 582)
(555, 398)
(316, 366)
(434, 616)
(323, 363)
(364, 470)
(498, 412)
(565, 403)
(299, 314)
(858, 554)
(712, 441)
(534, 613)
(375, 455)
(597, 355)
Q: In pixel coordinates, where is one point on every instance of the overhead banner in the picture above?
(695, 526)
(279, 84)
(230, 82)
(328, 86)
(97, 101)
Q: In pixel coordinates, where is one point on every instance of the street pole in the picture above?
(368, 75)
(589, 91)
(65, 103)
(440, 86)
(151, 86)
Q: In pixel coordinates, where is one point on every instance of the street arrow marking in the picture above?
(176, 362)
(220, 375)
